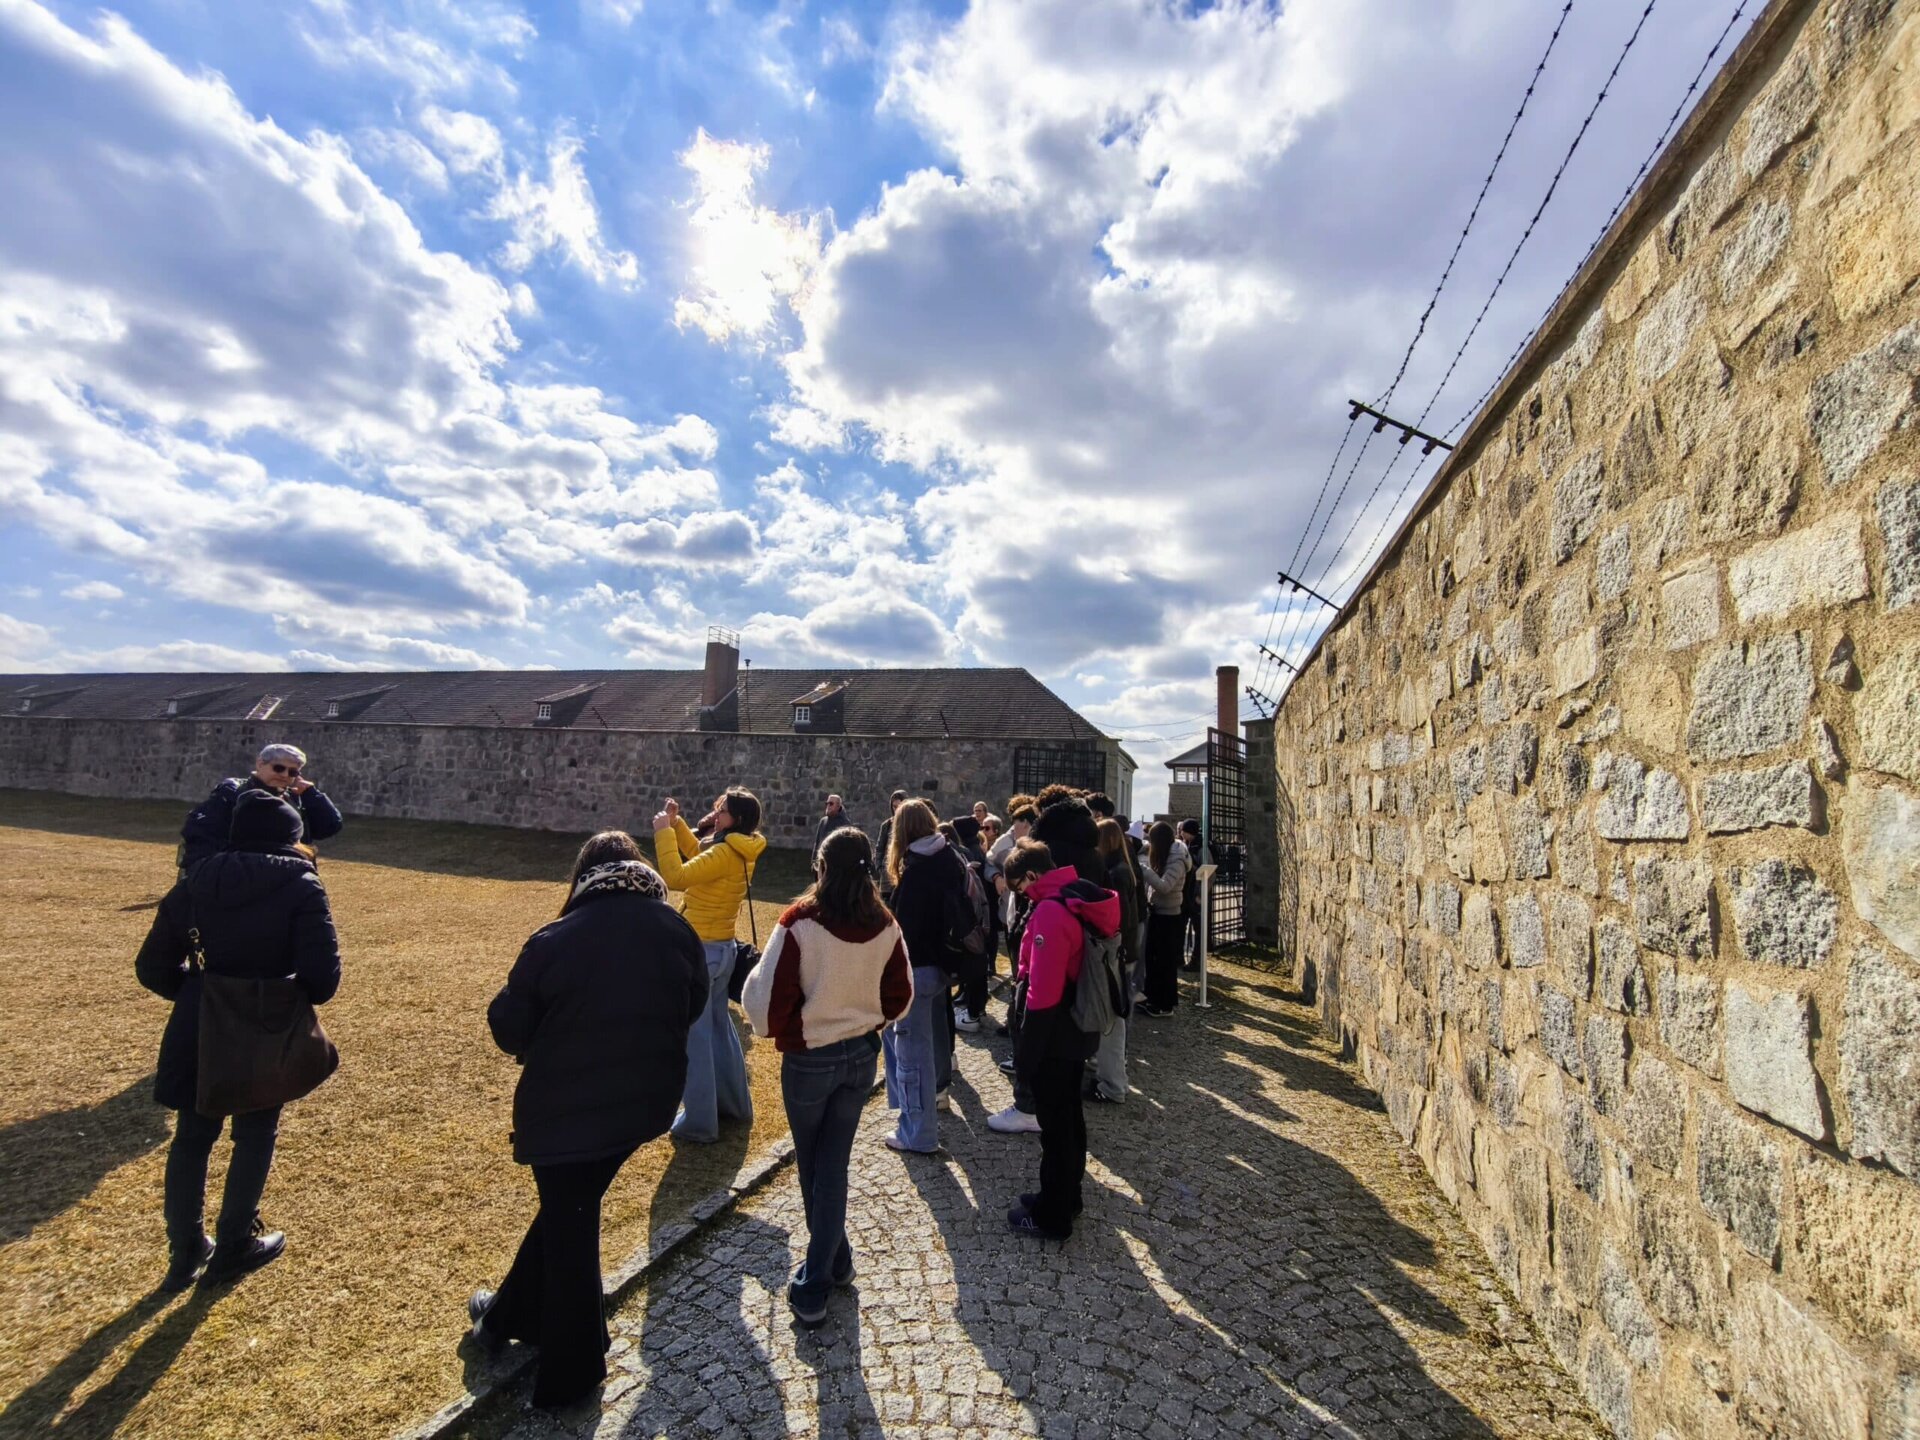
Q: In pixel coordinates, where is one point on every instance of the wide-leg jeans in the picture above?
(912, 1060)
(716, 1065)
(825, 1091)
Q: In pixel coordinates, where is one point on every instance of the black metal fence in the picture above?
(1226, 837)
(1080, 764)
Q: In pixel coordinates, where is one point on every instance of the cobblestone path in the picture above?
(1259, 1256)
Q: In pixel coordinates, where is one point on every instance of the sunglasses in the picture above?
(279, 769)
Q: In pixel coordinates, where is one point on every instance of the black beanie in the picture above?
(967, 828)
(263, 822)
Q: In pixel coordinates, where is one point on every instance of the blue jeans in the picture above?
(825, 1090)
(913, 1045)
(716, 1065)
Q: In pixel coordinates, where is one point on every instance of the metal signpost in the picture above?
(1205, 872)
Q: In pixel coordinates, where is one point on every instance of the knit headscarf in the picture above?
(634, 875)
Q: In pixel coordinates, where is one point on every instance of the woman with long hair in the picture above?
(835, 971)
(717, 876)
(260, 912)
(596, 1010)
(1164, 868)
(927, 875)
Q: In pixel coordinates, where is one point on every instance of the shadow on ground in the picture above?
(53, 1161)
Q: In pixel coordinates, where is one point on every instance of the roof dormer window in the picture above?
(803, 714)
(543, 711)
(173, 707)
(333, 709)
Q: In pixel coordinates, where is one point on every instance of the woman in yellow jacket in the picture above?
(715, 879)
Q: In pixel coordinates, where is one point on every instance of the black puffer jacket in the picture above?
(207, 828)
(597, 1010)
(260, 915)
(925, 905)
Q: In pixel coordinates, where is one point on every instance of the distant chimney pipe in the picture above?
(722, 675)
(1227, 678)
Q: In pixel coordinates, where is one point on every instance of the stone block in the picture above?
(1872, 241)
(1698, 406)
(1570, 942)
(1657, 1113)
(1480, 928)
(1559, 1034)
(1738, 1174)
(1637, 803)
(1857, 1233)
(1624, 1312)
(1528, 834)
(1826, 749)
(1688, 1006)
(1887, 713)
(1880, 1058)
(1573, 853)
(1898, 508)
(1880, 841)
(1608, 1386)
(1513, 757)
(1736, 800)
(1753, 247)
(1620, 983)
(1604, 1049)
(1613, 567)
(1800, 1380)
(1443, 907)
(1579, 1146)
(1855, 408)
(1818, 566)
(1667, 329)
(1663, 534)
(1769, 1061)
(1690, 605)
(1780, 114)
(1784, 914)
(1526, 933)
(1576, 504)
(1673, 906)
(1569, 607)
(1750, 698)
(1681, 1264)
(1748, 479)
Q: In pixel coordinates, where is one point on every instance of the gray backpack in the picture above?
(1101, 999)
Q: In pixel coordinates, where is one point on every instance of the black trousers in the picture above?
(551, 1297)
(1164, 936)
(185, 1199)
(1063, 1142)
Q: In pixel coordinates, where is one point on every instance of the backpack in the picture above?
(969, 922)
(1097, 1007)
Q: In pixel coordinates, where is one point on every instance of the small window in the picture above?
(173, 707)
(333, 709)
(543, 710)
(803, 714)
(25, 706)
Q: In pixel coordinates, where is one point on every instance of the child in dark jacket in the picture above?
(1052, 1049)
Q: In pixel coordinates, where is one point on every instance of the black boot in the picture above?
(185, 1266)
(490, 1341)
(230, 1261)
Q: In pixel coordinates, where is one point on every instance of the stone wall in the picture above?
(571, 779)
(1605, 793)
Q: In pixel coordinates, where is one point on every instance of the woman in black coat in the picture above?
(261, 913)
(596, 1010)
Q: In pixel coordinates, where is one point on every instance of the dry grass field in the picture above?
(394, 1181)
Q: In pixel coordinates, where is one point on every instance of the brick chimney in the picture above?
(723, 665)
(1227, 679)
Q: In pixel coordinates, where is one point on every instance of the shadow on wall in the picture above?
(1287, 880)
(53, 1161)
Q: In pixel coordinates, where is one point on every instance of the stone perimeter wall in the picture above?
(1605, 797)
(560, 779)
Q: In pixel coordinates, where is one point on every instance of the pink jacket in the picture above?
(1050, 949)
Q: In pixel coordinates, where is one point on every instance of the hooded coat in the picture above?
(261, 915)
(932, 875)
(1052, 947)
(1071, 833)
(715, 878)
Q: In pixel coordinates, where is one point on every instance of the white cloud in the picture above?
(468, 142)
(613, 12)
(94, 590)
(196, 655)
(21, 642)
(443, 49)
(404, 150)
(746, 261)
(559, 215)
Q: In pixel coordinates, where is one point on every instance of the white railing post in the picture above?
(1205, 872)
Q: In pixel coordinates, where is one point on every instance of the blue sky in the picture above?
(351, 334)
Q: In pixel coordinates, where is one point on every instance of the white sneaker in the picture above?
(963, 1020)
(1014, 1121)
(943, 1102)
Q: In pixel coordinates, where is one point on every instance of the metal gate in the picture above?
(1226, 837)
(1035, 767)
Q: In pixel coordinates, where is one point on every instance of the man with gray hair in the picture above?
(279, 770)
(835, 817)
